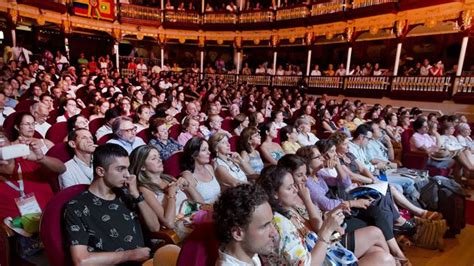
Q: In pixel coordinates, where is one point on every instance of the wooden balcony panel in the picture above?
(431, 89)
(219, 20)
(373, 10)
(294, 16)
(182, 20)
(327, 12)
(48, 5)
(256, 20)
(412, 4)
(464, 90)
(140, 15)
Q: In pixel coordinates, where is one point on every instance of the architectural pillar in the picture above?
(275, 54)
(462, 55)
(278, 3)
(162, 56)
(14, 36)
(201, 66)
(308, 62)
(66, 47)
(203, 6)
(348, 63)
(397, 59)
(239, 61)
(117, 55)
(162, 5)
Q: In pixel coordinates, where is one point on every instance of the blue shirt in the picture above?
(166, 150)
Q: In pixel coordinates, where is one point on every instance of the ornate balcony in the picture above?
(140, 15)
(328, 11)
(463, 91)
(421, 88)
(183, 19)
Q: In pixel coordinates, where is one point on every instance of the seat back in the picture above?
(24, 105)
(145, 135)
(174, 131)
(227, 124)
(60, 151)
(57, 132)
(200, 247)
(104, 139)
(8, 125)
(233, 143)
(51, 226)
(405, 139)
(95, 124)
(171, 166)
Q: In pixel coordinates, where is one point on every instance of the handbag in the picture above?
(429, 233)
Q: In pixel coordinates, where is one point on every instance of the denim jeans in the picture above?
(403, 184)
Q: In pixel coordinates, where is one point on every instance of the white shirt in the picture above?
(129, 147)
(165, 85)
(308, 140)
(156, 69)
(142, 67)
(360, 155)
(315, 73)
(77, 172)
(42, 128)
(102, 131)
(228, 260)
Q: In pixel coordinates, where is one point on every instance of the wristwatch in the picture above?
(139, 199)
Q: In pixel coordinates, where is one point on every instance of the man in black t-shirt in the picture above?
(101, 227)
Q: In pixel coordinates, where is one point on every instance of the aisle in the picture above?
(457, 252)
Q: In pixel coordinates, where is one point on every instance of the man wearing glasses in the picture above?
(41, 113)
(125, 134)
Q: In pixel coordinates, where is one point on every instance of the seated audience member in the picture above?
(462, 155)
(243, 222)
(24, 131)
(100, 109)
(190, 129)
(142, 120)
(271, 151)
(163, 193)
(347, 121)
(305, 136)
(359, 117)
(67, 108)
(256, 119)
(79, 168)
(326, 121)
(197, 170)
(289, 140)
(464, 136)
(277, 118)
(106, 129)
(231, 170)
(41, 113)
(248, 144)
(421, 141)
(125, 134)
(161, 141)
(29, 171)
(76, 122)
(243, 122)
(117, 234)
(362, 241)
(393, 130)
(4, 110)
(214, 123)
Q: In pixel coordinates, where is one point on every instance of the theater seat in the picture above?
(233, 143)
(104, 139)
(171, 166)
(51, 226)
(95, 124)
(57, 132)
(6, 244)
(227, 124)
(145, 135)
(200, 248)
(174, 131)
(60, 151)
(24, 105)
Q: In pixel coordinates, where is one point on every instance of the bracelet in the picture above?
(323, 240)
(171, 197)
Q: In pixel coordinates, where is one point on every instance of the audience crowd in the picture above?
(273, 164)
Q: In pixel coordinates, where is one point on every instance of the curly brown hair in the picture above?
(338, 137)
(235, 207)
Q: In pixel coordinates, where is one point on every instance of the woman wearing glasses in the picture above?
(248, 144)
(24, 131)
(231, 169)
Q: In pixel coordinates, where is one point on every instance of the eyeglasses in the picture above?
(316, 157)
(129, 130)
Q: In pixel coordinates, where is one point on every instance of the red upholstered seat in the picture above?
(200, 248)
(51, 226)
(24, 105)
(174, 131)
(60, 151)
(233, 143)
(87, 112)
(57, 132)
(95, 124)
(38, 135)
(228, 125)
(171, 166)
(145, 135)
(8, 126)
(104, 139)
(52, 116)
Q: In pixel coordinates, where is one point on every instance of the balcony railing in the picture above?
(421, 84)
(220, 18)
(142, 13)
(256, 16)
(464, 85)
(285, 81)
(291, 13)
(367, 83)
(328, 7)
(185, 17)
(325, 82)
(368, 3)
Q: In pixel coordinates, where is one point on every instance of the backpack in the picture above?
(448, 197)
(429, 234)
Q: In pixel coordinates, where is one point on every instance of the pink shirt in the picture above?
(184, 137)
(418, 140)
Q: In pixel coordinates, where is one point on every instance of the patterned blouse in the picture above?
(166, 150)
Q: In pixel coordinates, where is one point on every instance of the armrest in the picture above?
(6, 236)
(5, 231)
(415, 159)
(168, 235)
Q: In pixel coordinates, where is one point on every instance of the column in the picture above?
(203, 7)
(14, 36)
(462, 55)
(308, 62)
(117, 55)
(162, 57)
(201, 67)
(162, 5)
(348, 63)
(397, 59)
(239, 62)
(66, 47)
(278, 3)
(275, 54)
